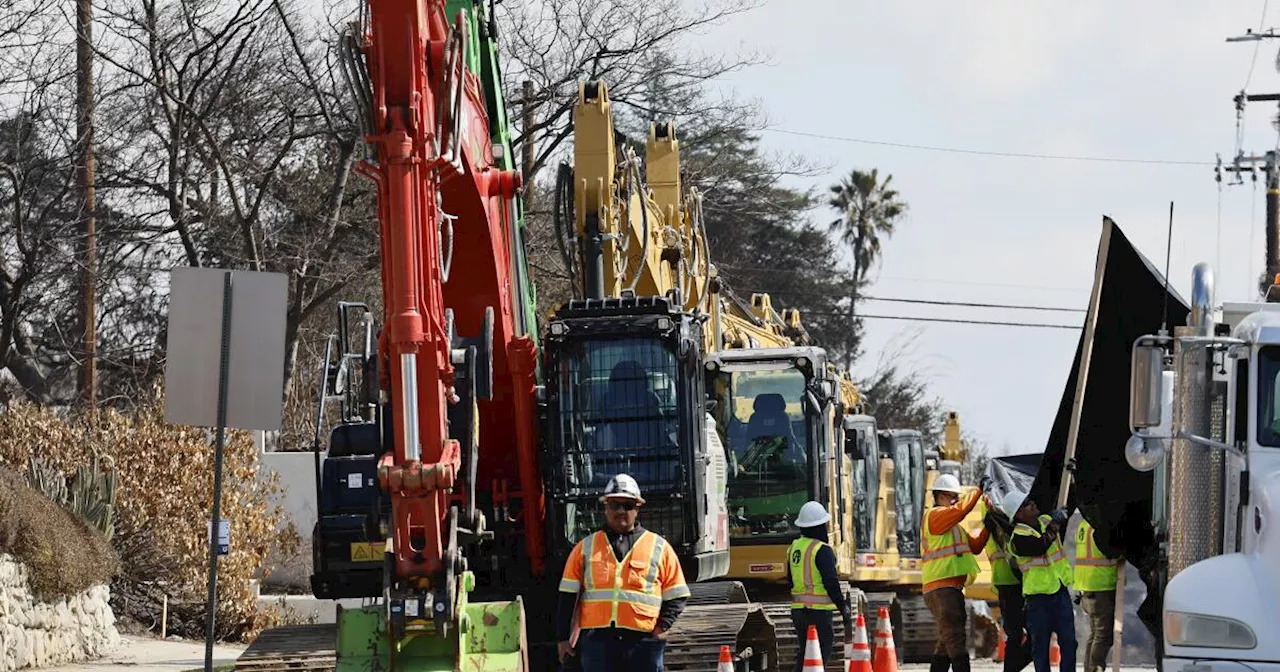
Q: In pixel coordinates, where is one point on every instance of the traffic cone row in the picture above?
(999, 658)
(860, 654)
(886, 657)
(1055, 654)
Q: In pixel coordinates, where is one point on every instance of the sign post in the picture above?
(235, 379)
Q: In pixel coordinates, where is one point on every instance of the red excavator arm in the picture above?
(445, 210)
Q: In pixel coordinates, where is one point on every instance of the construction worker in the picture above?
(1095, 578)
(1046, 578)
(1007, 580)
(815, 585)
(626, 586)
(950, 563)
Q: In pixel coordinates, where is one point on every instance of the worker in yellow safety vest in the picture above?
(625, 585)
(1007, 580)
(1046, 578)
(1095, 578)
(950, 563)
(815, 585)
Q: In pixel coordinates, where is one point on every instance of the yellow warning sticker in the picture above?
(362, 551)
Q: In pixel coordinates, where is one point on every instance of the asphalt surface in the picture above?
(143, 654)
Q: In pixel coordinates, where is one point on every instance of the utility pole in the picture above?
(1242, 163)
(1270, 164)
(85, 179)
(526, 109)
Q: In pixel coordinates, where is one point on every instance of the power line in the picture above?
(989, 323)
(981, 152)
(1254, 61)
(933, 302)
(896, 278)
(970, 304)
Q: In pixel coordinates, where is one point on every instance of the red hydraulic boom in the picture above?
(446, 209)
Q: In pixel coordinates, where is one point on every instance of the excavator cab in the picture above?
(906, 448)
(624, 394)
(865, 451)
(771, 406)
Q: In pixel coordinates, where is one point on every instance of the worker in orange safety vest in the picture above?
(626, 586)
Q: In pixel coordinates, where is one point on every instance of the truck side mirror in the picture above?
(1145, 384)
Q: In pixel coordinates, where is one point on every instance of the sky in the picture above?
(1151, 81)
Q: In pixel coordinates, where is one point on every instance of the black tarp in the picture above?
(1012, 472)
(1111, 495)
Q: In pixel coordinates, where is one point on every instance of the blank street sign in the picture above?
(259, 302)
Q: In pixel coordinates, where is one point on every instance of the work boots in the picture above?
(940, 663)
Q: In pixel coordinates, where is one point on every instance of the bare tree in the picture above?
(230, 137)
(898, 394)
(555, 44)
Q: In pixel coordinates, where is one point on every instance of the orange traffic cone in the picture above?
(999, 657)
(812, 652)
(726, 660)
(886, 657)
(860, 656)
(1055, 654)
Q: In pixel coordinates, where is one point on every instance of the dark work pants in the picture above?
(951, 650)
(1013, 618)
(824, 621)
(1048, 615)
(616, 649)
(1101, 608)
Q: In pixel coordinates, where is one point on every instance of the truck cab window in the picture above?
(1269, 396)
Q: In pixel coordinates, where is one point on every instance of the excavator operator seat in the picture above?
(770, 438)
(632, 428)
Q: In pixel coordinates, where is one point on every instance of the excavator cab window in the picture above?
(617, 409)
(866, 484)
(618, 413)
(767, 429)
(1269, 396)
(908, 457)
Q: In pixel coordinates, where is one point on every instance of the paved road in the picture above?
(143, 654)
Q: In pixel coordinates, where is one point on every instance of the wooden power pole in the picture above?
(85, 179)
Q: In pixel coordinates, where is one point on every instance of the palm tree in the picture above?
(868, 209)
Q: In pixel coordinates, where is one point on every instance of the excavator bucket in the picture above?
(490, 637)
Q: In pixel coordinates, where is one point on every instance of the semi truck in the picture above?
(1205, 418)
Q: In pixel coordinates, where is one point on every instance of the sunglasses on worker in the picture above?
(622, 506)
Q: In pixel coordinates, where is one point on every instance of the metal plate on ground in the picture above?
(294, 647)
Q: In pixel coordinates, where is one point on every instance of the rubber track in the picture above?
(693, 644)
(919, 631)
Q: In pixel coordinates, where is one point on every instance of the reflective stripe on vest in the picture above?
(1001, 573)
(628, 600)
(807, 589)
(1095, 572)
(1042, 574)
(946, 555)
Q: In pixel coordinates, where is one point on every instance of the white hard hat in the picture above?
(947, 483)
(1012, 502)
(812, 514)
(622, 486)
